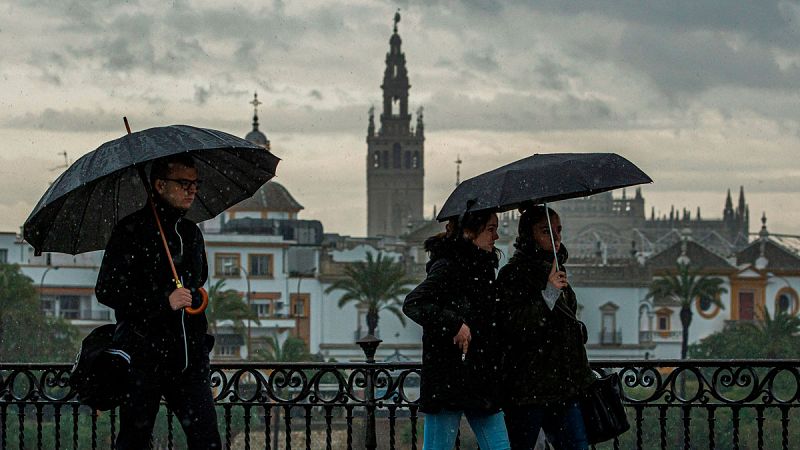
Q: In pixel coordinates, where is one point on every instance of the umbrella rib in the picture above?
(83, 218)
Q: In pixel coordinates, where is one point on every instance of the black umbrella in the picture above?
(540, 179)
(79, 210)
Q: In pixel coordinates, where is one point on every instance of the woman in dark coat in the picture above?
(456, 306)
(546, 364)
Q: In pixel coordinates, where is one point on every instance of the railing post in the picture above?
(369, 345)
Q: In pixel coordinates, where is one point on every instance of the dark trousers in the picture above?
(562, 424)
(188, 396)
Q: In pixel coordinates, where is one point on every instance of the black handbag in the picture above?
(601, 405)
(99, 376)
(602, 409)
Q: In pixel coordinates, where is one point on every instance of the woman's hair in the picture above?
(530, 216)
(472, 224)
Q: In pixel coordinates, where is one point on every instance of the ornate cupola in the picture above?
(255, 136)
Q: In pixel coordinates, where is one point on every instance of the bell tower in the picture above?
(395, 153)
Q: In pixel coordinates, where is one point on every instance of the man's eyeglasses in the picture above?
(185, 184)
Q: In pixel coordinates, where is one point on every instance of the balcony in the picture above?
(610, 337)
(671, 404)
(660, 336)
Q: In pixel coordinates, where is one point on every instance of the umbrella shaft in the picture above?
(552, 240)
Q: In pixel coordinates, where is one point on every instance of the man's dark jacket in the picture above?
(135, 280)
(546, 361)
(459, 289)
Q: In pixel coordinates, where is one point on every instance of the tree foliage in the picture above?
(376, 284)
(26, 335)
(770, 337)
(685, 286)
(228, 304)
(293, 349)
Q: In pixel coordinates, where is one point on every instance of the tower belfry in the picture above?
(395, 152)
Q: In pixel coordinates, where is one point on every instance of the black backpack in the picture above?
(99, 376)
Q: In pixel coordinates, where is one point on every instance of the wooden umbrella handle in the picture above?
(203, 303)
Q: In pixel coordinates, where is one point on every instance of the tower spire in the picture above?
(255, 136)
(458, 162)
(255, 104)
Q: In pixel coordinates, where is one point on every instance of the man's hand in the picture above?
(557, 278)
(462, 338)
(180, 298)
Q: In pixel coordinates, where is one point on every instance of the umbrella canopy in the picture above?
(542, 178)
(79, 210)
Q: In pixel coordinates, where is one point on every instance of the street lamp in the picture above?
(41, 286)
(229, 264)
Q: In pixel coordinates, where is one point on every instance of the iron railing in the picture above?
(725, 404)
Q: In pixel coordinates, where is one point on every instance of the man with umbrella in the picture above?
(169, 348)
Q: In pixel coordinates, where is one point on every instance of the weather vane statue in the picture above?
(396, 19)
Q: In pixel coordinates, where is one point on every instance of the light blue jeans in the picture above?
(441, 430)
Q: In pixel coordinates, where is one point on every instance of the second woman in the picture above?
(456, 306)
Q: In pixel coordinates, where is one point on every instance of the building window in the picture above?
(376, 159)
(397, 156)
(70, 306)
(261, 309)
(227, 350)
(260, 265)
(3, 256)
(415, 161)
(706, 307)
(608, 331)
(226, 264)
(49, 305)
(786, 301)
(663, 321)
(299, 307)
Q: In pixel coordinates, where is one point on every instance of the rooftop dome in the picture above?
(271, 196)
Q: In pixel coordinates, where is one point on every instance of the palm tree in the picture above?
(685, 286)
(293, 349)
(777, 332)
(227, 304)
(375, 284)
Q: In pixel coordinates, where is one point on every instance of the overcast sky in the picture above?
(704, 96)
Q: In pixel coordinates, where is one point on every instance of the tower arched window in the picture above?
(415, 161)
(396, 156)
(376, 159)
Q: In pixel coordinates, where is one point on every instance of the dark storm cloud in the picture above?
(203, 93)
(515, 112)
(551, 74)
(771, 22)
(683, 47)
(697, 61)
(483, 60)
(72, 120)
